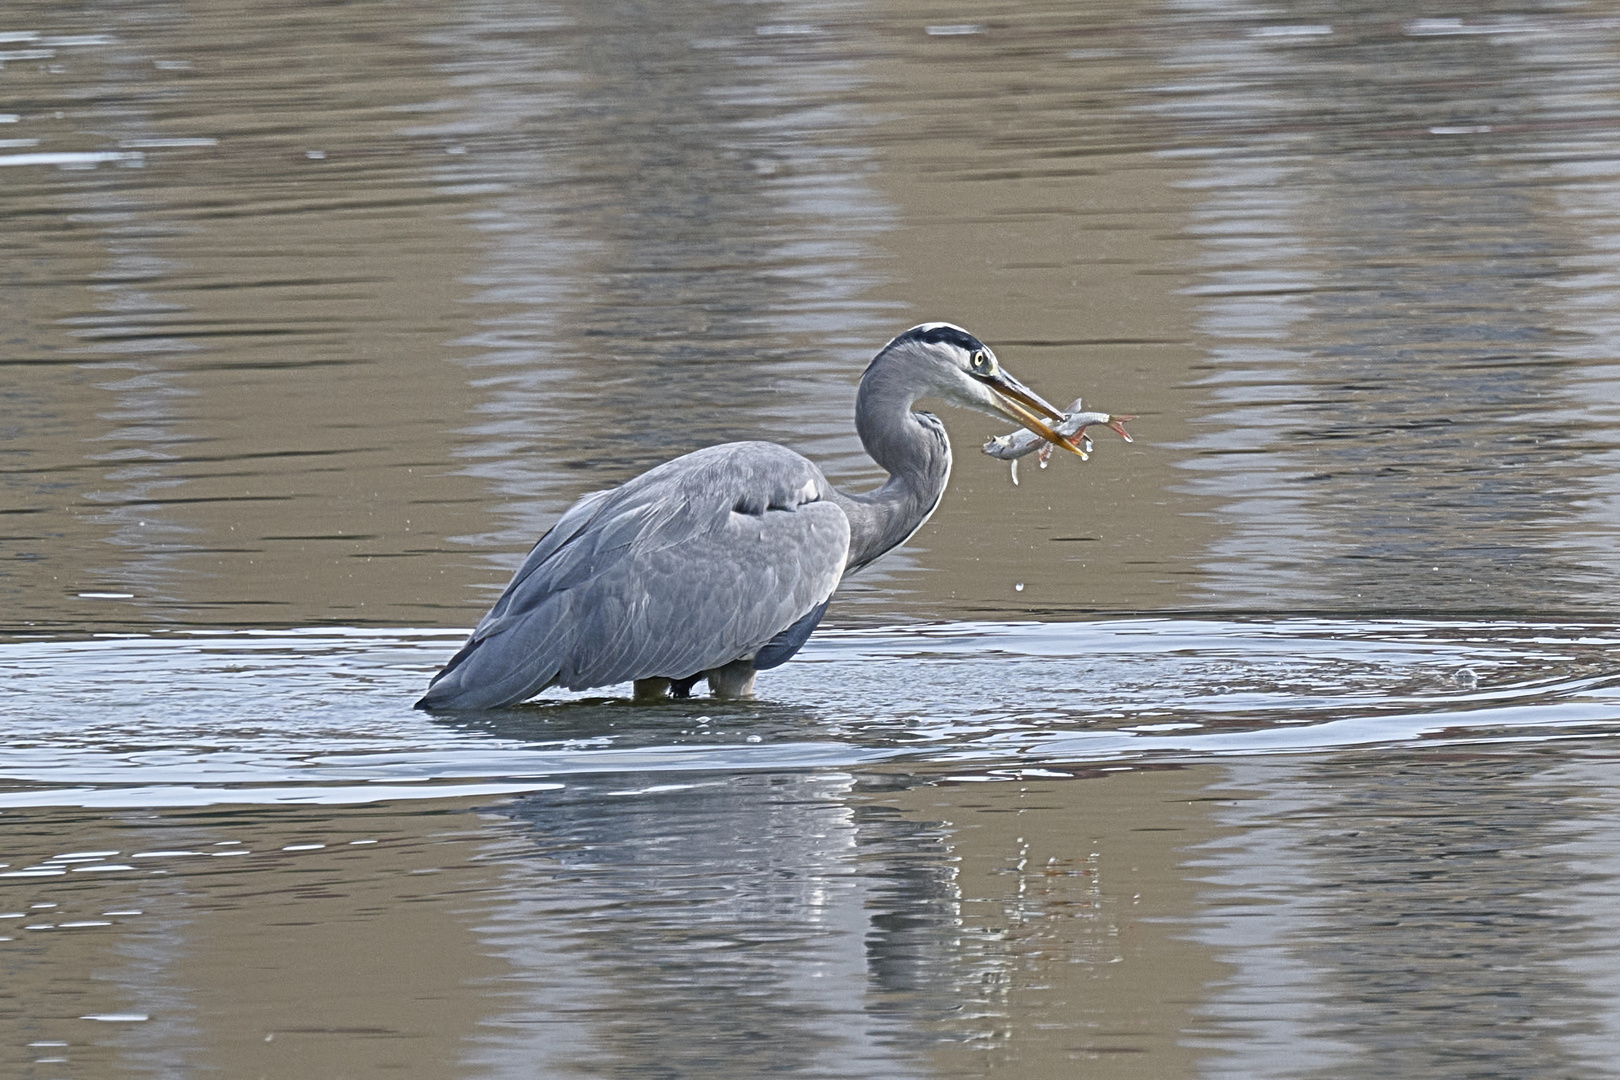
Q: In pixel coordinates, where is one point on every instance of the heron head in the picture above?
(963, 370)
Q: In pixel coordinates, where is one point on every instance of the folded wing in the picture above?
(696, 563)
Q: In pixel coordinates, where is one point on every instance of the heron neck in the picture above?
(913, 449)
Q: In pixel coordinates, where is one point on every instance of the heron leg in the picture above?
(735, 680)
(652, 689)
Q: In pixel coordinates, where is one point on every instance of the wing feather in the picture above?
(694, 564)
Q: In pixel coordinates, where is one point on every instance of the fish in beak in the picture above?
(1013, 446)
(1030, 410)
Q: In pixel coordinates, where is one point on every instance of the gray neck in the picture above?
(913, 449)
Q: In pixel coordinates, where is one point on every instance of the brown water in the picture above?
(1274, 744)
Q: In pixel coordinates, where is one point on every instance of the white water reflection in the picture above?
(1274, 1006)
(116, 332)
(1394, 421)
(1412, 919)
(677, 237)
(1589, 842)
(1584, 170)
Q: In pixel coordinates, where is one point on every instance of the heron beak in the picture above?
(1029, 409)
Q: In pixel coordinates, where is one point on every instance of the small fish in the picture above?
(1017, 444)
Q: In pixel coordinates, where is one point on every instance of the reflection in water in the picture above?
(1381, 261)
(1435, 915)
(736, 929)
(200, 329)
(548, 247)
(280, 277)
(667, 901)
(1590, 848)
(1405, 919)
(134, 430)
(677, 237)
(146, 432)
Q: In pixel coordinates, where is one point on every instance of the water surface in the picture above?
(1278, 743)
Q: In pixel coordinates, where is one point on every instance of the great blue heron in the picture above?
(719, 564)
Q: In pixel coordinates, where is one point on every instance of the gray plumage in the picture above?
(719, 563)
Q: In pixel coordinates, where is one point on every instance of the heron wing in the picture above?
(696, 563)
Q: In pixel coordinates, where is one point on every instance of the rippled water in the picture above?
(1278, 743)
(1256, 847)
(312, 716)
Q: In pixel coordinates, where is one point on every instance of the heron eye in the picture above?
(983, 363)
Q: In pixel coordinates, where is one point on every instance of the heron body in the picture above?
(719, 564)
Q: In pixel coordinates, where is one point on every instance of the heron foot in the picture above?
(652, 689)
(735, 680)
(658, 688)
